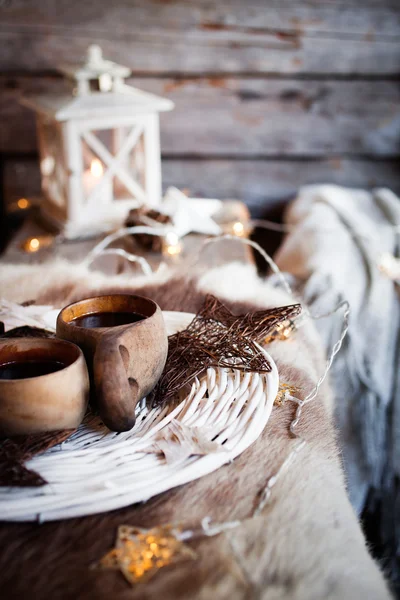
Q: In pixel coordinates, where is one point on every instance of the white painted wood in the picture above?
(127, 101)
(74, 163)
(118, 137)
(109, 122)
(83, 87)
(152, 161)
(95, 68)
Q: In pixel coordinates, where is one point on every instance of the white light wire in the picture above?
(245, 241)
(265, 495)
(206, 528)
(146, 268)
(100, 248)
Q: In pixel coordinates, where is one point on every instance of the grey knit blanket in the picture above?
(336, 241)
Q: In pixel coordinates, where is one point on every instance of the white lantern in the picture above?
(99, 149)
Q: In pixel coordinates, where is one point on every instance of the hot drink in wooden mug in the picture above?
(124, 340)
(44, 385)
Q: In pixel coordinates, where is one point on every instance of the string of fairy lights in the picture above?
(173, 245)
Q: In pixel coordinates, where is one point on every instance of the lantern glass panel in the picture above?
(132, 162)
(93, 181)
(120, 149)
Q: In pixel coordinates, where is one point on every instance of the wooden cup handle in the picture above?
(116, 393)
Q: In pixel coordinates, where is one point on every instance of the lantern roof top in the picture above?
(100, 91)
(95, 67)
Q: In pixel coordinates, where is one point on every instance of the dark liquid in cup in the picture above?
(30, 368)
(107, 319)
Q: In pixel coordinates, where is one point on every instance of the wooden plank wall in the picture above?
(269, 95)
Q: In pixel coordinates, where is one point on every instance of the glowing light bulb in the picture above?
(33, 245)
(23, 203)
(171, 245)
(96, 168)
(238, 229)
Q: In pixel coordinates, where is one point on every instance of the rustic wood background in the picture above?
(269, 95)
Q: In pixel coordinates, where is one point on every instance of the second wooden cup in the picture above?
(124, 340)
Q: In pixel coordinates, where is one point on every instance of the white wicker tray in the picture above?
(96, 470)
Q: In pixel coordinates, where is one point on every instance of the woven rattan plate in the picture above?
(96, 470)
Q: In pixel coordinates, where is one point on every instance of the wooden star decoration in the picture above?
(217, 338)
(140, 553)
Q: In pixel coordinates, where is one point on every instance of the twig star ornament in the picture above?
(217, 338)
(140, 553)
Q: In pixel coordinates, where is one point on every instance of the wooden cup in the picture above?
(125, 361)
(57, 400)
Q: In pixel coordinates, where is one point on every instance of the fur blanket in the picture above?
(338, 238)
(307, 542)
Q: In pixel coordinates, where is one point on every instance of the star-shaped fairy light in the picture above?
(140, 553)
(282, 332)
(284, 390)
(217, 338)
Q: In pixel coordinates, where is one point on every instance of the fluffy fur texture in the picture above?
(306, 544)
